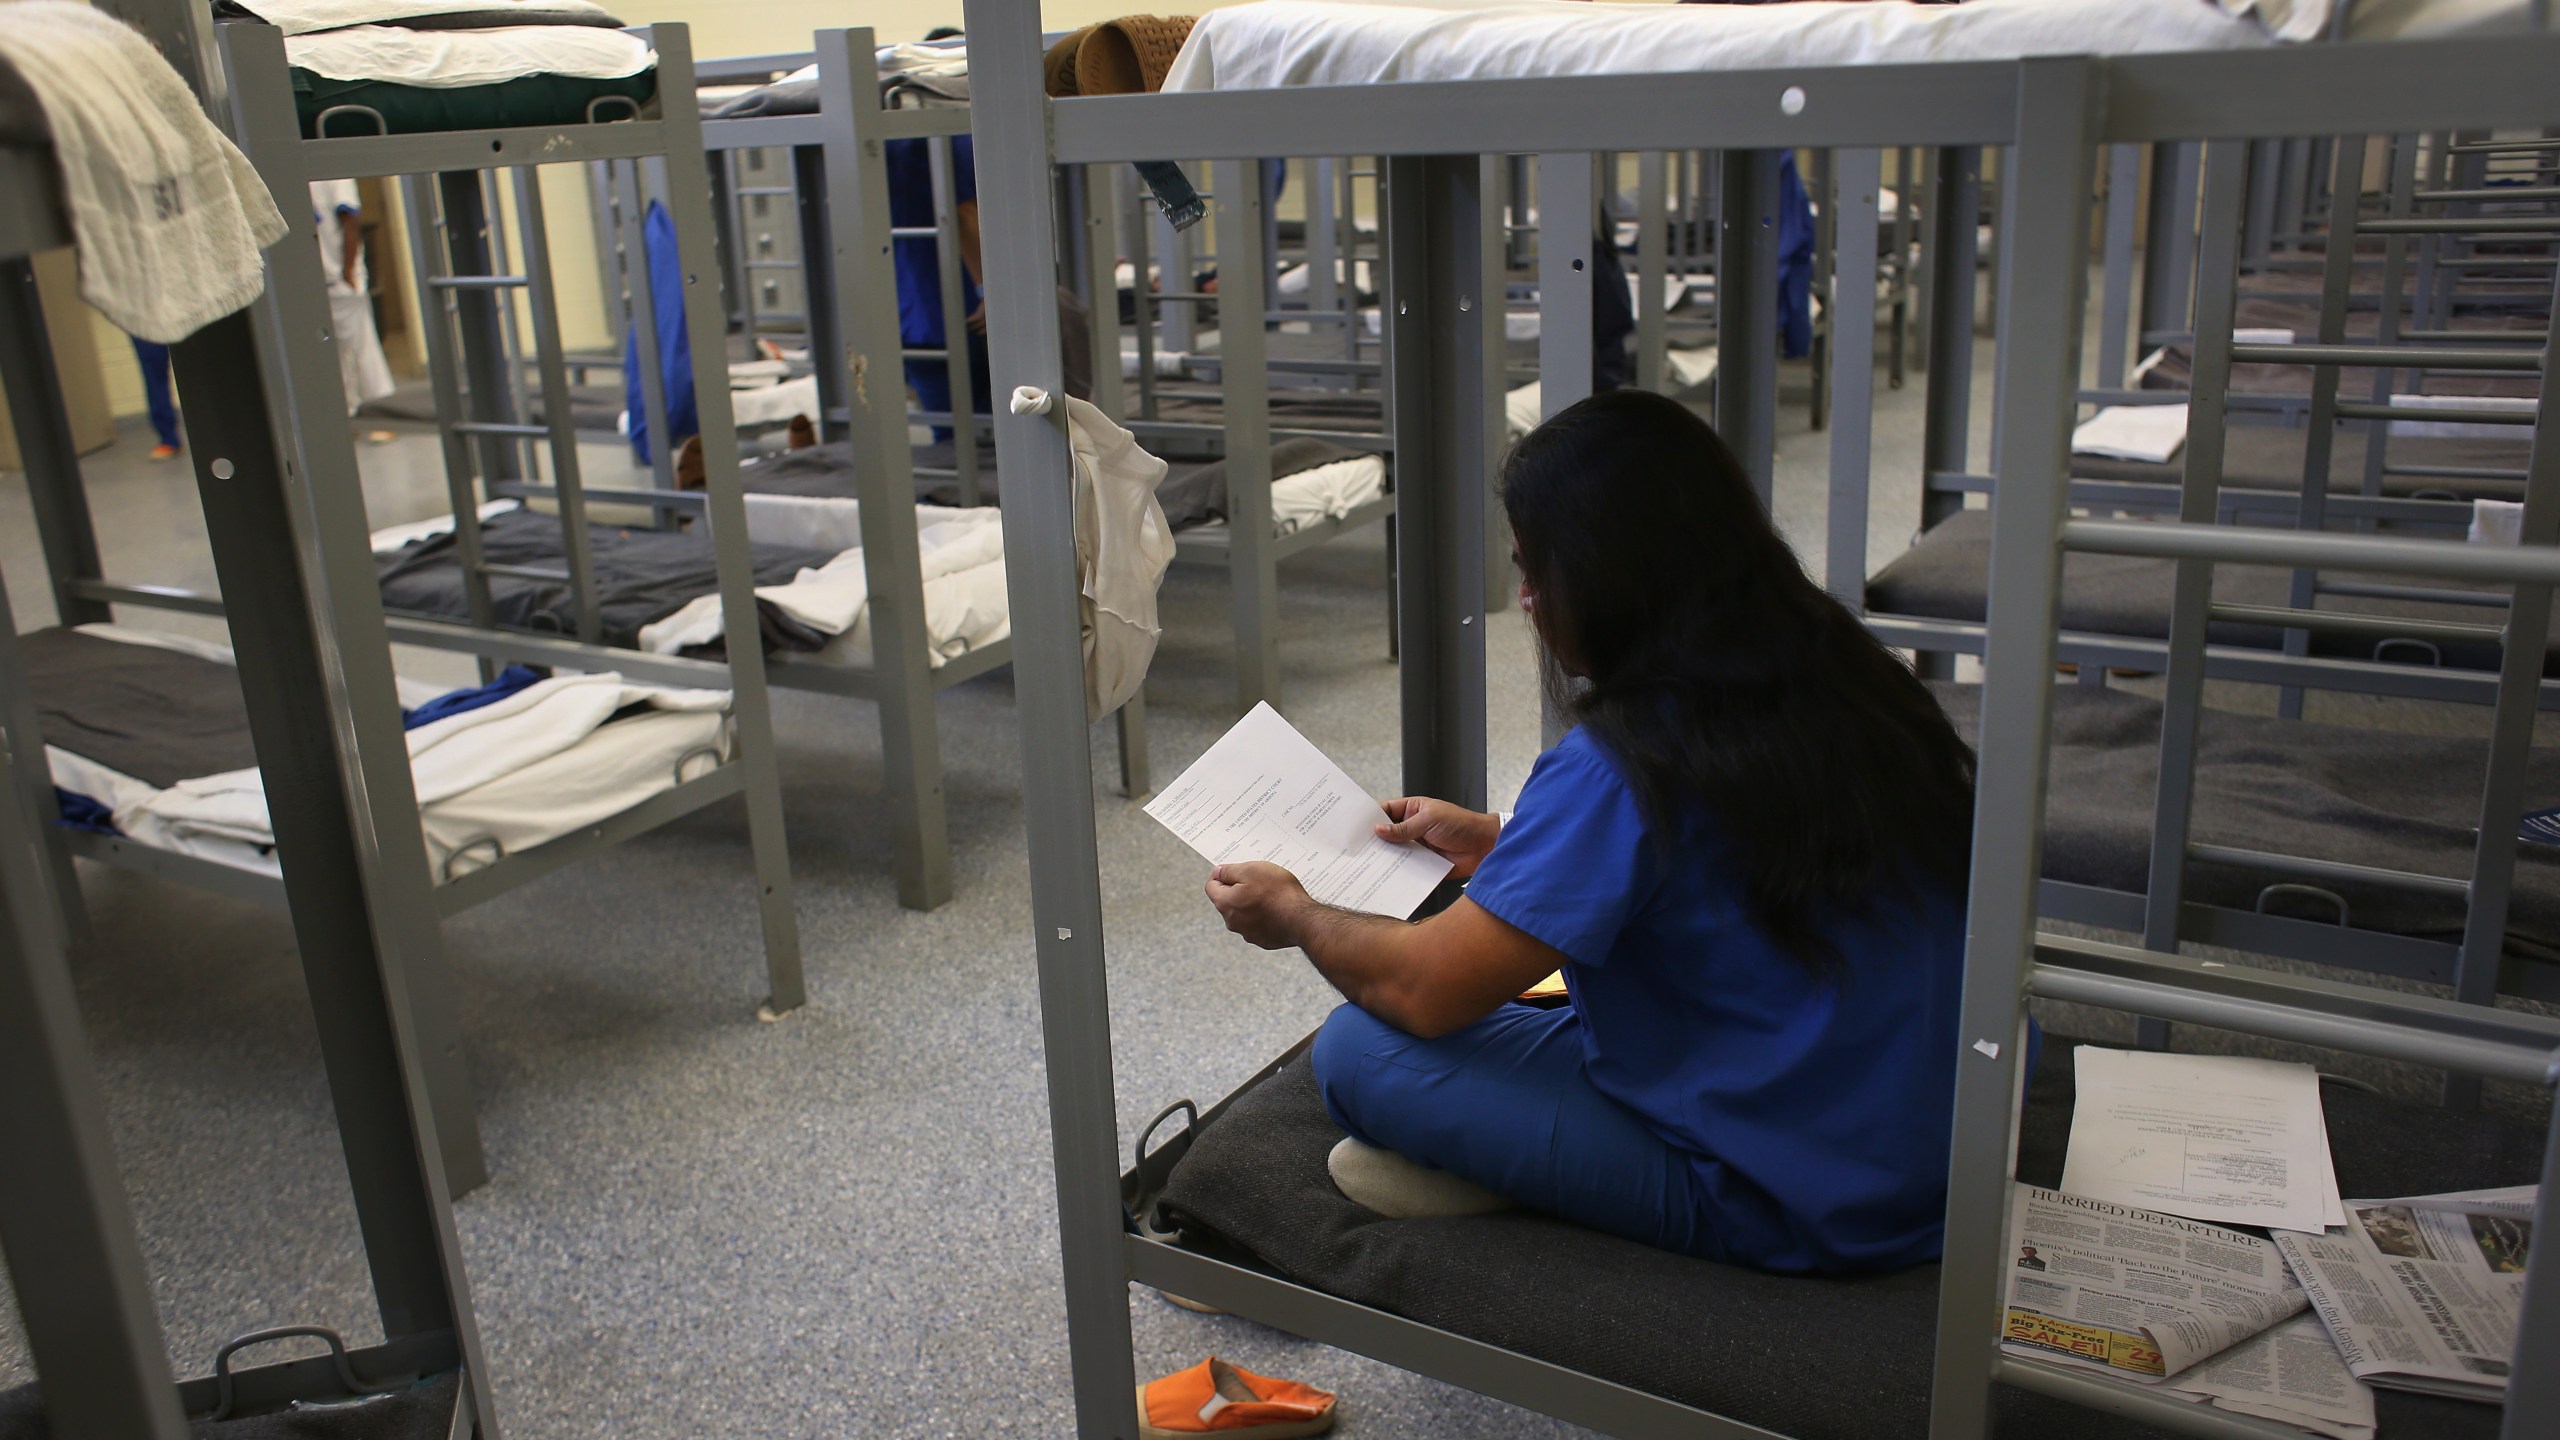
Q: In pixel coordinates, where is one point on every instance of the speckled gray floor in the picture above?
(837, 1225)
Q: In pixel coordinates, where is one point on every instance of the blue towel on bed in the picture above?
(675, 360)
(455, 702)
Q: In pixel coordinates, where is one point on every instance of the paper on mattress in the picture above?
(2150, 433)
(2497, 522)
(1323, 42)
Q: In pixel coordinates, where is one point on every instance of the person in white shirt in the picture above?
(339, 210)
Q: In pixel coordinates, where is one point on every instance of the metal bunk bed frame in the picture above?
(357, 633)
(74, 1258)
(2053, 112)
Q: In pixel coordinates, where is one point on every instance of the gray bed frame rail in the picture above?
(2053, 114)
(75, 1260)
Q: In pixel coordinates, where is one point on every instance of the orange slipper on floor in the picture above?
(1215, 1398)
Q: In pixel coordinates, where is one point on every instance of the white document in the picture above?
(1264, 793)
(2225, 1138)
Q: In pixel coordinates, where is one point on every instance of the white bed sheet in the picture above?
(492, 782)
(1280, 43)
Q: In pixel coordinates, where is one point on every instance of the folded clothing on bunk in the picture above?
(1768, 1350)
(498, 768)
(1311, 480)
(420, 66)
(641, 576)
(168, 215)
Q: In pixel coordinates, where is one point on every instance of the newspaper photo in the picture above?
(2137, 1294)
(2422, 1293)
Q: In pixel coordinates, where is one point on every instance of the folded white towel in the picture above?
(2497, 522)
(169, 215)
(2133, 432)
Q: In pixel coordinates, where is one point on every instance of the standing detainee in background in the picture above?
(153, 359)
(339, 210)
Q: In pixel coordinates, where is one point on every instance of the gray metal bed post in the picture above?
(2320, 429)
(1857, 177)
(567, 491)
(66, 1225)
(1564, 332)
(1111, 397)
(2049, 171)
(2199, 494)
(1244, 385)
(470, 277)
(1651, 257)
(2493, 864)
(1436, 279)
(861, 273)
(2387, 321)
(818, 298)
(1008, 108)
(2169, 243)
(955, 316)
(1493, 239)
(1136, 226)
(689, 206)
(435, 324)
(1946, 441)
(1746, 407)
(2124, 179)
(50, 460)
(316, 466)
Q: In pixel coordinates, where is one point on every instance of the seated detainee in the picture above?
(1748, 858)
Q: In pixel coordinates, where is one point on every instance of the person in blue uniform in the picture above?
(910, 167)
(1748, 858)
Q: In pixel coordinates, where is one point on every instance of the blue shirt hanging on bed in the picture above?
(1813, 1116)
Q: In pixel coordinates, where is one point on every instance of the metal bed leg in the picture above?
(483, 356)
(1564, 326)
(862, 277)
(2493, 864)
(2181, 709)
(66, 1225)
(2320, 430)
(1651, 339)
(567, 492)
(2169, 243)
(818, 298)
(1436, 280)
(1110, 396)
(314, 653)
(1857, 178)
(1746, 407)
(2050, 175)
(2115, 311)
(955, 318)
(1826, 236)
(1137, 780)
(1066, 900)
(689, 205)
(1245, 389)
(1491, 315)
(1946, 443)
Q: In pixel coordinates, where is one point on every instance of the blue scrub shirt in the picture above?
(1818, 1111)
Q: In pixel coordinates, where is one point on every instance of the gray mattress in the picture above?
(2327, 792)
(158, 715)
(1944, 576)
(641, 576)
(2270, 457)
(1761, 1348)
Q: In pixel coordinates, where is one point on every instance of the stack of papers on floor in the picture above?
(2150, 433)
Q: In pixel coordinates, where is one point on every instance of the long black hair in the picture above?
(1720, 675)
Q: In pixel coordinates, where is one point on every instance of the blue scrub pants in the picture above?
(163, 404)
(1505, 1103)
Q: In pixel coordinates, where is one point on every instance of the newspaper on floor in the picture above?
(2140, 1295)
(2291, 1373)
(2422, 1293)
